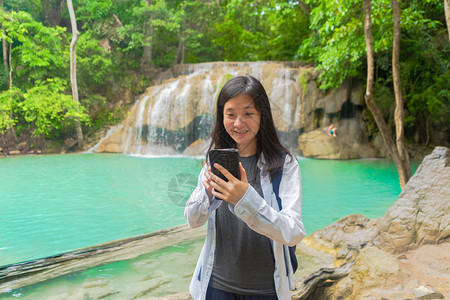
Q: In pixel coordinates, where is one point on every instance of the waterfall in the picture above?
(171, 117)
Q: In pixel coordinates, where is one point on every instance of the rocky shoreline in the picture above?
(403, 255)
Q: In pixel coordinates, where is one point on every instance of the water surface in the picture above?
(57, 203)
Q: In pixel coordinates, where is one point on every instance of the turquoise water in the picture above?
(53, 204)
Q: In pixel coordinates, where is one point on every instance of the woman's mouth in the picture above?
(240, 133)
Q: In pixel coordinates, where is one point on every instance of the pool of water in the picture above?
(57, 203)
(53, 204)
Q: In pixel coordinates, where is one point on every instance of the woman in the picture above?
(245, 253)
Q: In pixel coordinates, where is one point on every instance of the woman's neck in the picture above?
(247, 150)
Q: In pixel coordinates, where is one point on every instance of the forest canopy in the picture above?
(123, 44)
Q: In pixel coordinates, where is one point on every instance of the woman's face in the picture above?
(241, 120)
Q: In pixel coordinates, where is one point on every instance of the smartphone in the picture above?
(227, 158)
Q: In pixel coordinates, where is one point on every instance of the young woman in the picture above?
(245, 255)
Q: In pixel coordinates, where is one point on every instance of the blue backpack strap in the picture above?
(276, 189)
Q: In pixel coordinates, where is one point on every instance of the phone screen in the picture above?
(227, 158)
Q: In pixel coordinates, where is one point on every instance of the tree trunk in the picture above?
(304, 7)
(11, 129)
(5, 50)
(4, 45)
(52, 11)
(146, 59)
(179, 59)
(399, 110)
(73, 70)
(377, 115)
(447, 16)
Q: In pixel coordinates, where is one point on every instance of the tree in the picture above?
(73, 66)
(336, 45)
(52, 11)
(400, 161)
(146, 59)
(4, 45)
(403, 166)
(447, 16)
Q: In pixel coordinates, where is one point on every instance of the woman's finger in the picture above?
(206, 184)
(225, 172)
(243, 173)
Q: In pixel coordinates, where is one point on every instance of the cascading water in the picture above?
(170, 117)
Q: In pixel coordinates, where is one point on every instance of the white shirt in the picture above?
(284, 228)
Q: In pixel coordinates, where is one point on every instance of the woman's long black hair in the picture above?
(268, 142)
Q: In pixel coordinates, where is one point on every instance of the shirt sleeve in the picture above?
(199, 207)
(285, 226)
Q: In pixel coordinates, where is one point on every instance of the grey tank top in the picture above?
(243, 260)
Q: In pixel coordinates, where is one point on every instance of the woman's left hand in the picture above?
(231, 191)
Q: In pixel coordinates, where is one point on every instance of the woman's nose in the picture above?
(238, 122)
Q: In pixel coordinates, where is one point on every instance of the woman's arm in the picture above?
(285, 226)
(201, 203)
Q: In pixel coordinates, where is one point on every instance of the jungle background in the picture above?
(124, 44)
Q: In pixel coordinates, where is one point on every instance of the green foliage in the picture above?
(29, 6)
(48, 110)
(261, 30)
(8, 106)
(338, 45)
(4, 78)
(115, 35)
(38, 51)
(95, 64)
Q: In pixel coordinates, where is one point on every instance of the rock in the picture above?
(319, 144)
(373, 268)
(197, 148)
(422, 213)
(426, 293)
(393, 254)
(14, 152)
(70, 142)
(344, 238)
(320, 277)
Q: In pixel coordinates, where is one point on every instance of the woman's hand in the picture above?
(231, 191)
(207, 183)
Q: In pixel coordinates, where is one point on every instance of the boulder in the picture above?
(422, 213)
(319, 144)
(14, 152)
(197, 148)
(373, 268)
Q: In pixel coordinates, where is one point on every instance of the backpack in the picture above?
(276, 189)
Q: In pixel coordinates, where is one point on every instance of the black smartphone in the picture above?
(227, 158)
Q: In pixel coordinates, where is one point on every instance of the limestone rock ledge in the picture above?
(403, 255)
